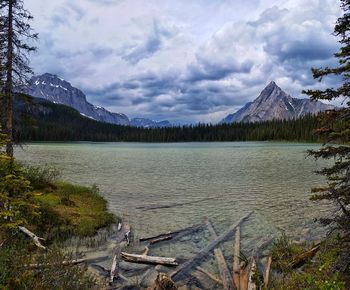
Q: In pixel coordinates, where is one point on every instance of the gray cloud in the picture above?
(153, 42)
(155, 59)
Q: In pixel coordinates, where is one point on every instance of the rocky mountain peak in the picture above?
(54, 89)
(274, 103)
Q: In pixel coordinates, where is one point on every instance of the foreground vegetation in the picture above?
(32, 197)
(327, 270)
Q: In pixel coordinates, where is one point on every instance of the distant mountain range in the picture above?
(272, 104)
(54, 89)
(275, 104)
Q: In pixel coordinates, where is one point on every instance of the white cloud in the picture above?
(193, 60)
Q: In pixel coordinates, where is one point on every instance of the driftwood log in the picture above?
(252, 270)
(115, 264)
(236, 255)
(220, 259)
(302, 258)
(161, 239)
(183, 270)
(267, 271)
(166, 235)
(144, 259)
(37, 240)
(171, 205)
(210, 275)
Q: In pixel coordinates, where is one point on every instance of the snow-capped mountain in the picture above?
(57, 90)
(147, 123)
(275, 104)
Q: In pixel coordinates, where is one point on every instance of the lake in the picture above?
(221, 181)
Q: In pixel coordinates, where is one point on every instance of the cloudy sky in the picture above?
(183, 60)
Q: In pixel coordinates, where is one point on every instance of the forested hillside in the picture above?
(45, 121)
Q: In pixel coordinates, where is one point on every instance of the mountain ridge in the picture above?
(57, 90)
(274, 103)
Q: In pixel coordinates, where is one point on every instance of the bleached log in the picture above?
(187, 230)
(115, 265)
(161, 239)
(252, 270)
(243, 279)
(210, 275)
(149, 259)
(183, 270)
(301, 259)
(145, 252)
(267, 271)
(127, 237)
(236, 255)
(34, 237)
(171, 205)
(220, 259)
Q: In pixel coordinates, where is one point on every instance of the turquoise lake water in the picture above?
(221, 181)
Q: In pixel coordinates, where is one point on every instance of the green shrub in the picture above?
(283, 251)
(52, 275)
(40, 177)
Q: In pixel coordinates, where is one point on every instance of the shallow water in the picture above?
(221, 181)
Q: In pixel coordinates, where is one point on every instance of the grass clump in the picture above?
(40, 177)
(52, 274)
(283, 251)
(319, 273)
(79, 210)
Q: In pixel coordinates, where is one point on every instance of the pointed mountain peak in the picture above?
(272, 91)
(275, 104)
(272, 85)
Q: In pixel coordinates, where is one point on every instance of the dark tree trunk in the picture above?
(9, 83)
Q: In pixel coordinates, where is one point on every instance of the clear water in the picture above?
(273, 179)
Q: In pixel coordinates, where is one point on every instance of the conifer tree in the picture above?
(335, 130)
(15, 35)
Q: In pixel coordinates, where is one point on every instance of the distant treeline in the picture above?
(54, 122)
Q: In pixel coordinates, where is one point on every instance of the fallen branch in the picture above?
(301, 259)
(267, 271)
(252, 270)
(160, 206)
(183, 270)
(236, 254)
(220, 259)
(210, 275)
(161, 239)
(2, 243)
(34, 237)
(149, 259)
(187, 230)
(115, 265)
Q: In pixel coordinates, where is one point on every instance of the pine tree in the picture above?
(335, 130)
(15, 30)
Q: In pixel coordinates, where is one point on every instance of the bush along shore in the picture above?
(38, 213)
